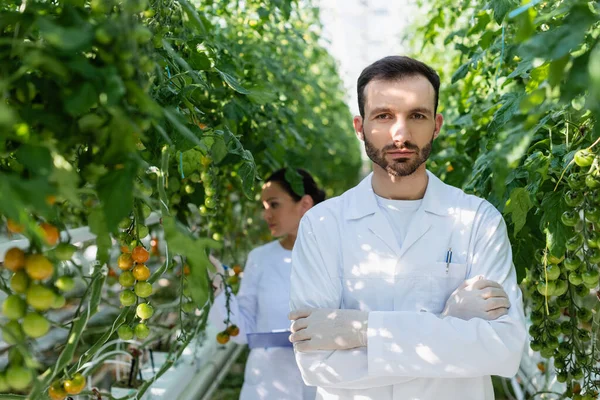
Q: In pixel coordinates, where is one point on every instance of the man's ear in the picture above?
(358, 127)
(439, 121)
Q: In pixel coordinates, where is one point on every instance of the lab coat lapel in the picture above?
(380, 227)
(419, 225)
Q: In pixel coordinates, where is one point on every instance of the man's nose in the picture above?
(400, 131)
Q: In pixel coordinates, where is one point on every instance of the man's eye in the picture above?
(274, 205)
(382, 116)
(418, 116)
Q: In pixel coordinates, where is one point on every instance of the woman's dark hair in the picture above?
(297, 185)
(392, 68)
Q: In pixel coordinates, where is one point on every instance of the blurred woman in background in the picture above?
(262, 303)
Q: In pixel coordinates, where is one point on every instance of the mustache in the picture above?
(401, 146)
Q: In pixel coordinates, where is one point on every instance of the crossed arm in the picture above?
(389, 347)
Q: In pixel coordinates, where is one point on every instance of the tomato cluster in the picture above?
(233, 282)
(59, 390)
(134, 274)
(561, 321)
(36, 288)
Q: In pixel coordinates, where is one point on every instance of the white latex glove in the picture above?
(216, 277)
(328, 329)
(477, 298)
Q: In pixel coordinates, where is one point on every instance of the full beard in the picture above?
(398, 167)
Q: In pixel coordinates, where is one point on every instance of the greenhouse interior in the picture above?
(299, 199)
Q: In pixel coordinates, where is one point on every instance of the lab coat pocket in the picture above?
(444, 280)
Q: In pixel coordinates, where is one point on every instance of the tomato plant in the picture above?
(521, 108)
(114, 111)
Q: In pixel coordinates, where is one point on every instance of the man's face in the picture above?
(399, 125)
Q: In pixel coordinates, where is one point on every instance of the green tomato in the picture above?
(143, 230)
(65, 283)
(592, 214)
(144, 311)
(143, 289)
(575, 242)
(59, 301)
(575, 278)
(126, 279)
(210, 202)
(203, 211)
(4, 388)
(574, 198)
(127, 298)
(562, 300)
(592, 182)
(65, 251)
(564, 348)
(552, 271)
(146, 210)
(546, 289)
(594, 197)
(572, 263)
(125, 223)
(39, 297)
(142, 34)
(35, 325)
(566, 327)
(18, 377)
(142, 331)
(584, 314)
(593, 255)
(590, 278)
(19, 282)
(582, 291)
(535, 345)
(14, 307)
(569, 218)
(12, 332)
(125, 332)
(561, 288)
(576, 181)
(584, 158)
(537, 317)
(593, 239)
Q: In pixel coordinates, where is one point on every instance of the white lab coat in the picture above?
(262, 305)
(346, 256)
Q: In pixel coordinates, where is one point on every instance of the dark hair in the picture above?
(309, 185)
(394, 68)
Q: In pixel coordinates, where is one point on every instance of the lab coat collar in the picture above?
(362, 200)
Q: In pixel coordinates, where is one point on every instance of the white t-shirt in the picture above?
(399, 213)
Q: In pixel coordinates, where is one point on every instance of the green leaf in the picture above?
(193, 16)
(69, 39)
(510, 107)
(66, 180)
(115, 194)
(461, 72)
(218, 150)
(232, 82)
(518, 206)
(550, 223)
(82, 100)
(17, 194)
(557, 70)
(247, 174)
(194, 250)
(173, 118)
(501, 8)
(97, 224)
(36, 159)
